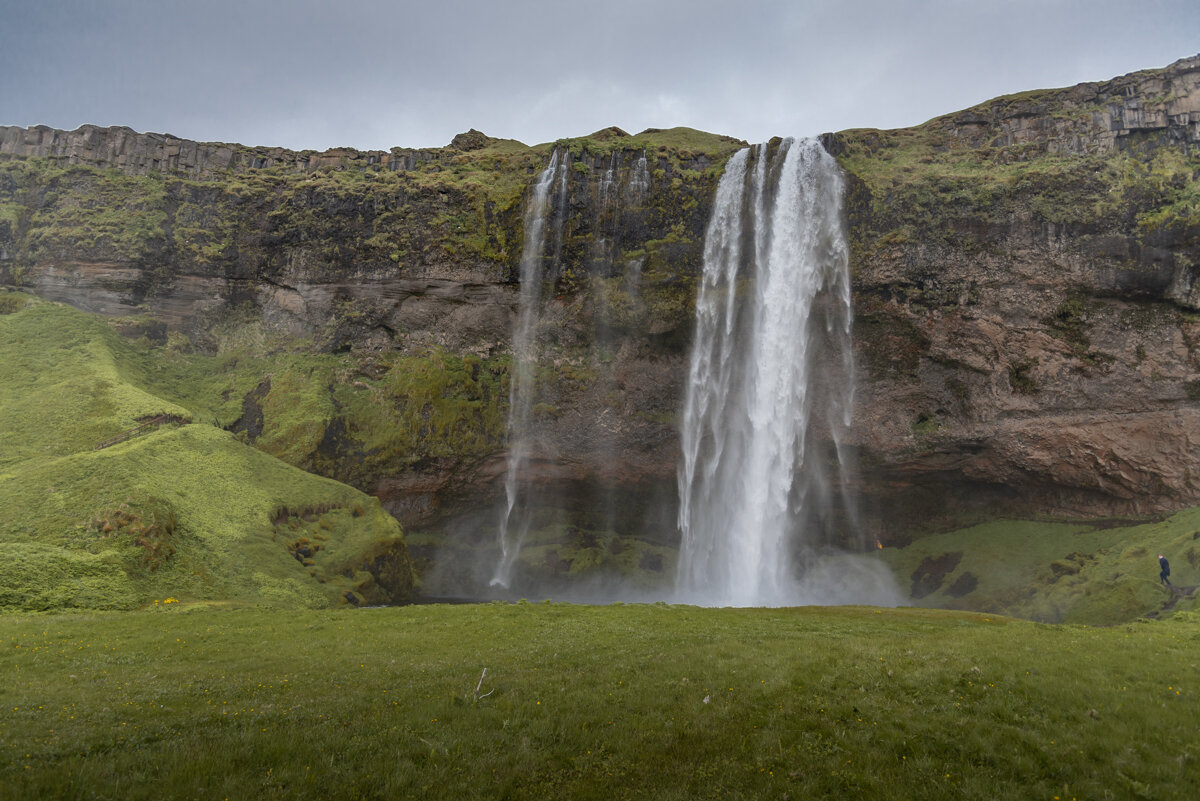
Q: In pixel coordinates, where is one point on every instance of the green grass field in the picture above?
(595, 702)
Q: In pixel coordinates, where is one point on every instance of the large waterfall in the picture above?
(769, 389)
(513, 528)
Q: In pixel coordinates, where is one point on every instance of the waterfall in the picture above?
(769, 390)
(512, 529)
(608, 183)
(639, 181)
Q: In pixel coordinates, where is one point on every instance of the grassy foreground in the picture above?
(594, 702)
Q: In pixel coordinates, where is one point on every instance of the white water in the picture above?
(608, 183)
(639, 181)
(769, 393)
(521, 386)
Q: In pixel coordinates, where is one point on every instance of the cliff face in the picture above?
(136, 153)
(1024, 283)
(1024, 279)
(397, 266)
(1156, 107)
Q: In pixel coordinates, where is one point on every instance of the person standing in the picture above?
(1164, 575)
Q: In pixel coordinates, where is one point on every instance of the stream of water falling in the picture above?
(770, 382)
(512, 530)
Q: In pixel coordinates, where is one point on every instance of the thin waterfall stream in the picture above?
(513, 528)
(542, 257)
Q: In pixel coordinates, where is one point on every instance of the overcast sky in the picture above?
(380, 73)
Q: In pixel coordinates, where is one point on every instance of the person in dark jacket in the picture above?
(1164, 576)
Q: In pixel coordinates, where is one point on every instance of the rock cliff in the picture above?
(1024, 272)
(1024, 276)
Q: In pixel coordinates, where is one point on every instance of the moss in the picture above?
(1020, 377)
(433, 405)
(354, 217)
(925, 426)
(924, 184)
(100, 211)
(11, 302)
(296, 411)
(562, 554)
(545, 411)
(1084, 573)
(183, 511)
(1069, 323)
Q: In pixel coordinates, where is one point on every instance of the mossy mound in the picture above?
(170, 508)
(1093, 573)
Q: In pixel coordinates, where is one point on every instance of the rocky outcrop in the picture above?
(1160, 107)
(140, 153)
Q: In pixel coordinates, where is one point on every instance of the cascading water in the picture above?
(542, 255)
(512, 529)
(608, 183)
(639, 181)
(769, 387)
(616, 204)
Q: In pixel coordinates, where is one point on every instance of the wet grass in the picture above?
(594, 702)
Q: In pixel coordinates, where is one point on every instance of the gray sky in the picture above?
(380, 73)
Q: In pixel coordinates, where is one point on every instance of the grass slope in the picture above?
(183, 510)
(1053, 572)
(595, 702)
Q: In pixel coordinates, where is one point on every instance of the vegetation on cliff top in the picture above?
(922, 186)
(179, 508)
(351, 215)
(621, 701)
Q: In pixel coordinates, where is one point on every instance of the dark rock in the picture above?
(963, 585)
(471, 140)
(932, 571)
(251, 420)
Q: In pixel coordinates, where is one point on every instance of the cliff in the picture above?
(406, 279)
(136, 153)
(1024, 276)
(1024, 281)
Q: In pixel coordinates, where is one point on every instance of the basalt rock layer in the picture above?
(1027, 315)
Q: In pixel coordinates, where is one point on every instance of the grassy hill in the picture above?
(180, 508)
(1100, 572)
